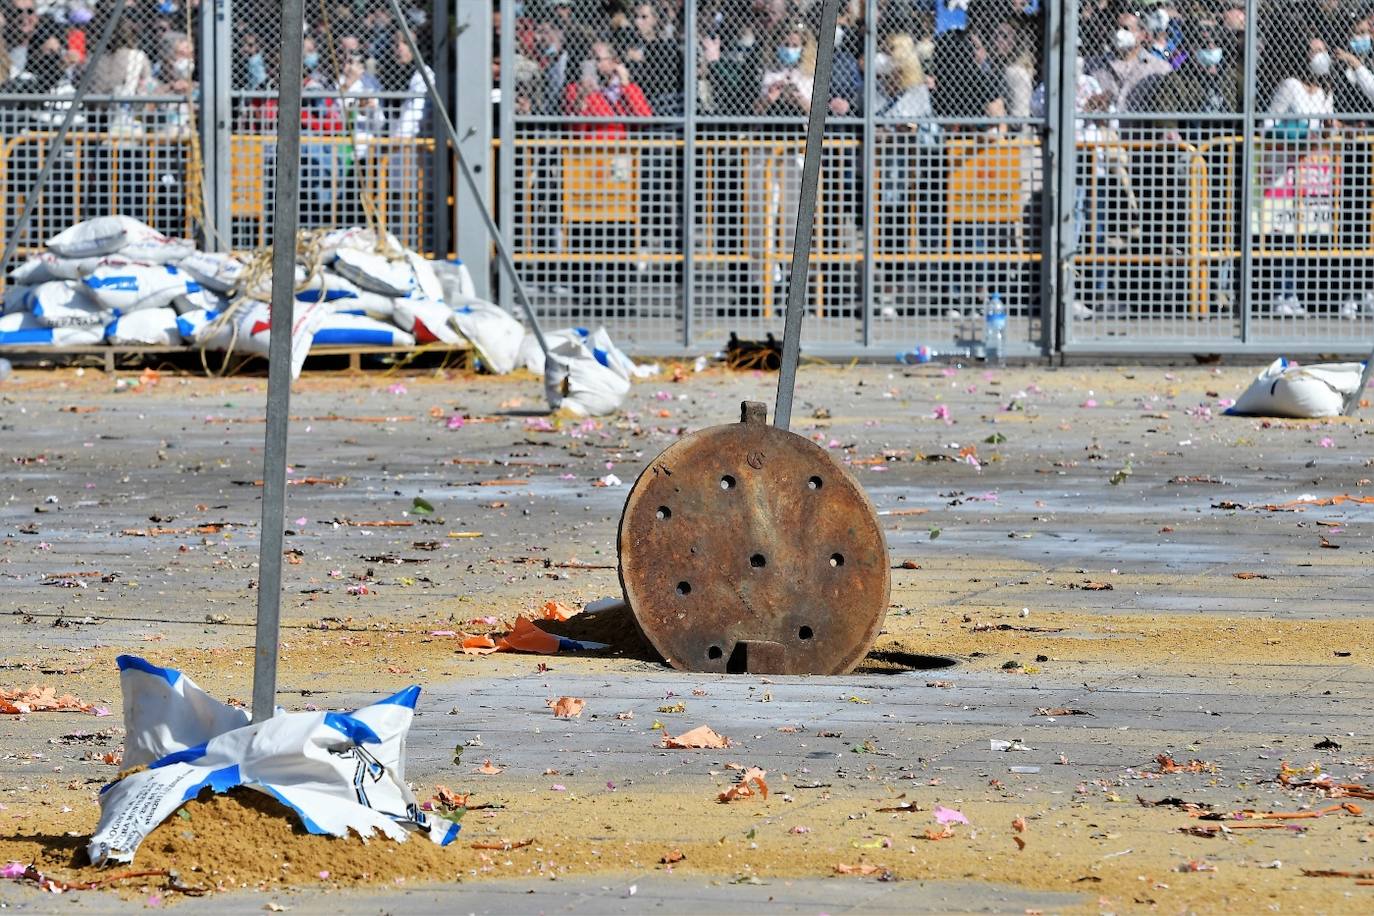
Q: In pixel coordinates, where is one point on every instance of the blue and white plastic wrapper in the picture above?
(427, 283)
(1287, 389)
(344, 329)
(579, 380)
(127, 286)
(192, 325)
(339, 772)
(14, 300)
(150, 327)
(253, 326)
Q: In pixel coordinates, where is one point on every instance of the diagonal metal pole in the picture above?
(502, 254)
(806, 213)
(287, 218)
(1352, 403)
(31, 201)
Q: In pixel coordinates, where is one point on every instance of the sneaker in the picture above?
(1288, 306)
(1082, 312)
(953, 313)
(1350, 309)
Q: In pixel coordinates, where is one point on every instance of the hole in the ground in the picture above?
(758, 561)
(663, 513)
(684, 588)
(804, 633)
(837, 559)
(727, 482)
(714, 653)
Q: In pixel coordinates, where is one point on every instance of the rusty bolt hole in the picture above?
(815, 483)
(727, 482)
(758, 561)
(714, 652)
(663, 513)
(684, 588)
(804, 633)
(837, 559)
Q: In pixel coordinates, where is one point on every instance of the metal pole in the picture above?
(1061, 180)
(1352, 403)
(31, 200)
(287, 218)
(1244, 299)
(505, 153)
(806, 213)
(689, 166)
(869, 152)
(495, 233)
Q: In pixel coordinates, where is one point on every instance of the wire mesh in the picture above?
(366, 146)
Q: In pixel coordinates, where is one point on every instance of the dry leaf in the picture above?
(447, 798)
(699, 737)
(1060, 711)
(505, 844)
(567, 707)
(1019, 825)
(750, 781)
(1250, 575)
(861, 869)
(672, 857)
(1019, 841)
(40, 699)
(486, 769)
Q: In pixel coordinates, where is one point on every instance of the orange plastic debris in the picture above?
(749, 781)
(39, 699)
(557, 610)
(486, 769)
(478, 645)
(567, 707)
(699, 737)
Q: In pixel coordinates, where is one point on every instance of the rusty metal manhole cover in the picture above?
(747, 548)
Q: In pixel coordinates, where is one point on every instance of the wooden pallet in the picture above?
(113, 355)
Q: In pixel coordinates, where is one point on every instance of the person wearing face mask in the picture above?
(1295, 170)
(553, 60)
(1205, 84)
(1354, 92)
(1355, 89)
(1130, 66)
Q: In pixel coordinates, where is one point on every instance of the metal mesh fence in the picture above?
(366, 147)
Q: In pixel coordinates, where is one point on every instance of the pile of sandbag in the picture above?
(1287, 389)
(114, 279)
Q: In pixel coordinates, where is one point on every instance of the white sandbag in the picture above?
(342, 329)
(261, 288)
(62, 304)
(359, 238)
(156, 249)
(192, 325)
(332, 287)
(493, 332)
(374, 272)
(100, 236)
(213, 270)
(339, 772)
(455, 280)
(15, 299)
(46, 266)
(253, 325)
(127, 286)
(427, 321)
(200, 299)
(1287, 389)
(367, 303)
(427, 282)
(23, 329)
(153, 327)
(532, 357)
(576, 383)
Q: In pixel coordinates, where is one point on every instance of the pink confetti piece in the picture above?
(945, 815)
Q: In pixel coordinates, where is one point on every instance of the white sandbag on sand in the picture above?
(1287, 389)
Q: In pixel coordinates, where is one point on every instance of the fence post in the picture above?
(689, 166)
(505, 163)
(216, 124)
(1245, 300)
(444, 197)
(1060, 180)
(868, 295)
(472, 118)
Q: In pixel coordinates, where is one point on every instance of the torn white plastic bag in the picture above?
(1287, 389)
(493, 332)
(339, 772)
(580, 382)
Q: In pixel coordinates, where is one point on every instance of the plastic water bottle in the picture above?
(995, 330)
(5, 369)
(915, 356)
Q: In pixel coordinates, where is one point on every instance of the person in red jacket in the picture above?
(605, 91)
